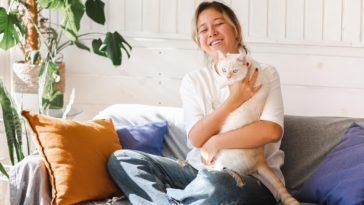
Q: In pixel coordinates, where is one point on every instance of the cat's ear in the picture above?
(245, 59)
(221, 55)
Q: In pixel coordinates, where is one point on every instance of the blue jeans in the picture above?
(149, 179)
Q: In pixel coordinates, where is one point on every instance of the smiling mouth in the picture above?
(216, 42)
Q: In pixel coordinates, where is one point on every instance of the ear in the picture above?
(246, 60)
(221, 55)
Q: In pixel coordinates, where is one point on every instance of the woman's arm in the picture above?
(209, 125)
(252, 135)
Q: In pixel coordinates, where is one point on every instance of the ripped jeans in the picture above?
(148, 179)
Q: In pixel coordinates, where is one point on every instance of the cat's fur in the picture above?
(233, 68)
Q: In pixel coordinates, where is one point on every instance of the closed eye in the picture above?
(203, 31)
(235, 71)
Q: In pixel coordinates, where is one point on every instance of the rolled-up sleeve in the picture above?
(191, 103)
(273, 110)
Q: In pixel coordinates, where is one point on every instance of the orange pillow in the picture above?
(75, 154)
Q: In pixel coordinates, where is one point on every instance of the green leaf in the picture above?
(50, 98)
(123, 41)
(96, 45)
(2, 170)
(12, 125)
(43, 67)
(8, 28)
(52, 67)
(113, 51)
(56, 100)
(51, 4)
(111, 47)
(3, 19)
(73, 12)
(18, 130)
(34, 56)
(80, 45)
(95, 10)
(114, 43)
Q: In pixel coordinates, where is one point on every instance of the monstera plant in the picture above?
(41, 41)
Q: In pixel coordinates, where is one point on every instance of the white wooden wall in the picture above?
(316, 45)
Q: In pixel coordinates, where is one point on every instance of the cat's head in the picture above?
(233, 67)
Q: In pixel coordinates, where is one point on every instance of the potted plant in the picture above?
(13, 132)
(21, 25)
(13, 128)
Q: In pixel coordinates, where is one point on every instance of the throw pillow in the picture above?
(147, 137)
(339, 177)
(76, 155)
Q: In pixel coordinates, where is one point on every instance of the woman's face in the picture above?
(215, 33)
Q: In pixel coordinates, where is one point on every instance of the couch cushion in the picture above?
(339, 177)
(175, 144)
(147, 137)
(75, 154)
(306, 141)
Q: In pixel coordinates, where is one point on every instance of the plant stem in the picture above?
(64, 45)
(32, 34)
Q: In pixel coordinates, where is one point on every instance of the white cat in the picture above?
(233, 68)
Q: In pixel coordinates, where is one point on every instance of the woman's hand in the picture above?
(242, 91)
(208, 151)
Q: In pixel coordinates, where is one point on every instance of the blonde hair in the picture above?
(228, 15)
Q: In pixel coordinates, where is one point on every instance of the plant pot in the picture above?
(25, 83)
(25, 77)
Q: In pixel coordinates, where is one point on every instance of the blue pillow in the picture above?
(147, 138)
(339, 179)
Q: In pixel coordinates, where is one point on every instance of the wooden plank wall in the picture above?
(316, 45)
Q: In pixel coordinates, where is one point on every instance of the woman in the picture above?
(148, 179)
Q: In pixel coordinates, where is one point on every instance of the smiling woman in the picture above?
(216, 28)
(215, 32)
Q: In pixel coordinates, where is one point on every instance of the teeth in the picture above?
(215, 42)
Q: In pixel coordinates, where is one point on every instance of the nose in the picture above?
(228, 75)
(212, 33)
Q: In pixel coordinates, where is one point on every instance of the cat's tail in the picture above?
(265, 171)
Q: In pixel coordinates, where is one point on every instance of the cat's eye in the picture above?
(235, 71)
(223, 70)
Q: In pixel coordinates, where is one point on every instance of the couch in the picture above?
(305, 142)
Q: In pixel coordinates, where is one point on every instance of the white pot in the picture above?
(25, 85)
(25, 77)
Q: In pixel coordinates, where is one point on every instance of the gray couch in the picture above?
(305, 142)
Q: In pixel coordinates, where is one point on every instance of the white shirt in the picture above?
(200, 93)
